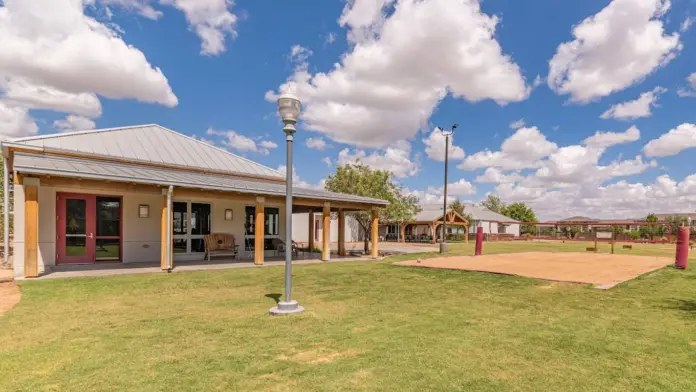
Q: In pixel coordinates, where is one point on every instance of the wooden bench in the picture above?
(220, 245)
(628, 246)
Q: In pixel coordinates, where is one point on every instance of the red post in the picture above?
(682, 248)
(479, 241)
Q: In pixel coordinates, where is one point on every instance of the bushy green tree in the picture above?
(522, 213)
(493, 203)
(360, 180)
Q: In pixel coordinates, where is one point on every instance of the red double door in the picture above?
(88, 228)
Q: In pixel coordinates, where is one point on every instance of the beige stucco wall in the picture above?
(141, 236)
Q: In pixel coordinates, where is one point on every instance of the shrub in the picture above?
(635, 235)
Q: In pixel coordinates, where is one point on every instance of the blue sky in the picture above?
(212, 68)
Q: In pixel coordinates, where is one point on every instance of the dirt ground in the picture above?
(9, 296)
(600, 270)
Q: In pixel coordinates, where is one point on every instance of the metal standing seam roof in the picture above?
(132, 173)
(432, 212)
(147, 144)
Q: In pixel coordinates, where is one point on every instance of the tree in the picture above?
(457, 206)
(522, 213)
(493, 203)
(360, 180)
(650, 231)
(674, 222)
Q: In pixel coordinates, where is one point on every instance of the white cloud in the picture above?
(379, 92)
(327, 161)
(497, 176)
(608, 139)
(523, 150)
(211, 20)
(330, 38)
(140, 6)
(21, 92)
(686, 24)
(673, 142)
(613, 49)
(52, 43)
(395, 159)
(638, 108)
(435, 147)
(15, 122)
(297, 182)
(299, 54)
(74, 123)
(690, 90)
(236, 141)
(315, 143)
(620, 200)
(518, 124)
(461, 188)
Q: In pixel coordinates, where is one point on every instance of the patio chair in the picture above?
(279, 247)
(220, 245)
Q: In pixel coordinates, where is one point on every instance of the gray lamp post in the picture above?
(446, 134)
(289, 109)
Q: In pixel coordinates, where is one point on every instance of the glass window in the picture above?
(76, 216)
(271, 221)
(272, 216)
(200, 219)
(180, 220)
(197, 245)
(75, 246)
(108, 217)
(108, 249)
(180, 245)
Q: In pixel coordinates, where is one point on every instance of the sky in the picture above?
(572, 107)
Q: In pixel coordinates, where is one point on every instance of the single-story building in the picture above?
(148, 194)
(491, 222)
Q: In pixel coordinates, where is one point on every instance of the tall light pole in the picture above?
(446, 134)
(289, 108)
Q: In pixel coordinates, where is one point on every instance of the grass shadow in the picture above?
(274, 296)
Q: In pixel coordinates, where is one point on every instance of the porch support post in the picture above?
(433, 234)
(167, 239)
(310, 228)
(341, 233)
(375, 232)
(31, 227)
(6, 211)
(326, 233)
(259, 231)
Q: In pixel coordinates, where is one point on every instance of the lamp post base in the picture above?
(285, 308)
(444, 247)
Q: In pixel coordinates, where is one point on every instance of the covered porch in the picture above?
(159, 216)
(426, 228)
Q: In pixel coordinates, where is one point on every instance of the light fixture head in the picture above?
(289, 108)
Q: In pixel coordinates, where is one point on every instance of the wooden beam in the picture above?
(259, 233)
(375, 233)
(163, 237)
(326, 233)
(31, 231)
(341, 233)
(310, 226)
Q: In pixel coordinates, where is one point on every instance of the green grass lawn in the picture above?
(368, 326)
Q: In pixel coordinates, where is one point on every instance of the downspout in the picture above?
(170, 191)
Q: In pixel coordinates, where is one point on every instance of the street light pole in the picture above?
(443, 243)
(289, 109)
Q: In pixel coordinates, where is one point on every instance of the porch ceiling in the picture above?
(71, 167)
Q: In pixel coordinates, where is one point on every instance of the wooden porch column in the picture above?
(310, 226)
(433, 233)
(375, 232)
(326, 233)
(259, 231)
(341, 233)
(166, 215)
(31, 230)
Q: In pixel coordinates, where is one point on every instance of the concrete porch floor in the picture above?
(112, 269)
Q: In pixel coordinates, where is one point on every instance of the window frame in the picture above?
(188, 236)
